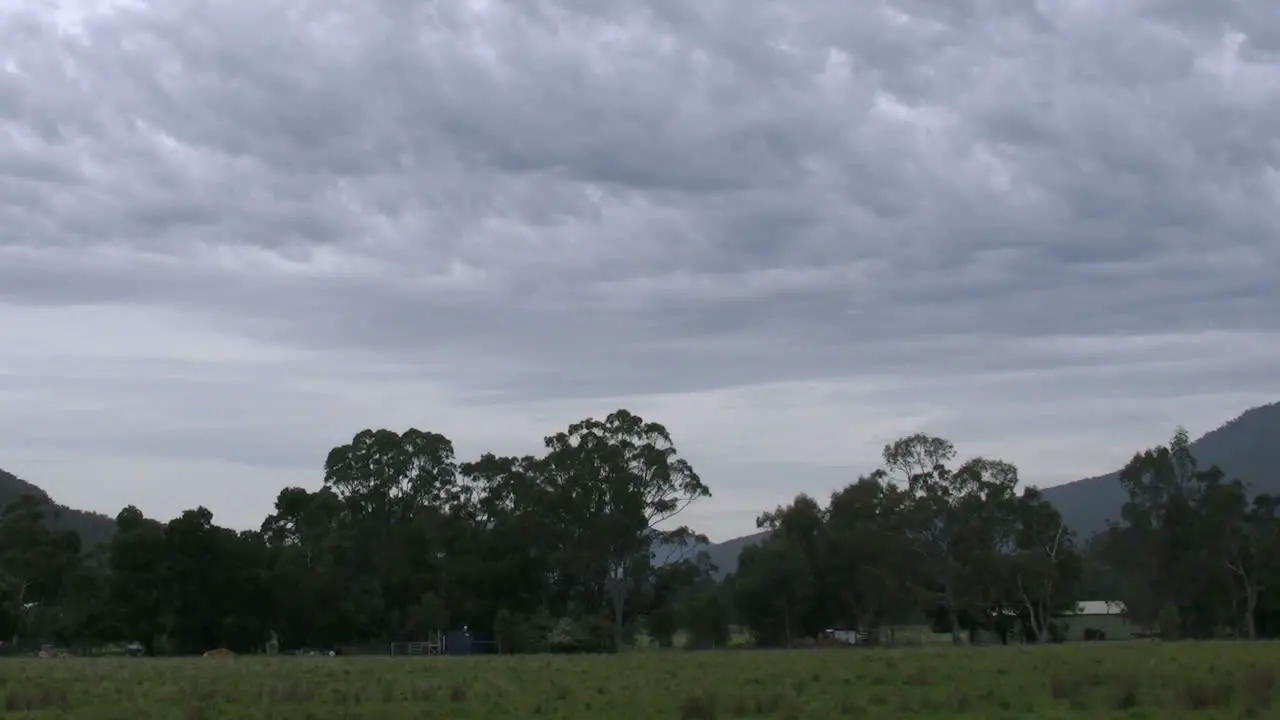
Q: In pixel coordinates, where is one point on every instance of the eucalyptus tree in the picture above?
(869, 562)
(1045, 565)
(402, 496)
(616, 485)
(957, 519)
(35, 559)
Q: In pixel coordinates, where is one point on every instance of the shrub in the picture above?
(1170, 622)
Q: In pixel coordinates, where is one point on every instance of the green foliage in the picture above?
(773, 588)
(519, 634)
(587, 634)
(575, 550)
(916, 540)
(1194, 554)
(662, 625)
(38, 564)
(401, 542)
(1170, 622)
(706, 615)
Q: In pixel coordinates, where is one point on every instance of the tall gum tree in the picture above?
(1162, 540)
(1240, 533)
(803, 525)
(865, 549)
(1046, 567)
(623, 478)
(955, 517)
(34, 557)
(137, 562)
(401, 491)
(773, 588)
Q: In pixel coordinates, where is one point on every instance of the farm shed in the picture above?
(1104, 615)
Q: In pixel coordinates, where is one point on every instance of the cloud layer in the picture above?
(234, 233)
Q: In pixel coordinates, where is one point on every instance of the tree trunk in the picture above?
(1250, 611)
(619, 597)
(1039, 621)
(867, 623)
(22, 612)
(617, 627)
(1034, 618)
(949, 599)
(1043, 620)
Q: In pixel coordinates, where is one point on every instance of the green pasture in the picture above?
(1085, 681)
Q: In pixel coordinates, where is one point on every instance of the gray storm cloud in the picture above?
(545, 200)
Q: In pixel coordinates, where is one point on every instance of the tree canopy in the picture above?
(581, 548)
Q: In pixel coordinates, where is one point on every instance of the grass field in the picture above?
(1122, 680)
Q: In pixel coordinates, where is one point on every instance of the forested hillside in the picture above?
(1247, 447)
(93, 528)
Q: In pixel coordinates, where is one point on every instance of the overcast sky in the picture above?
(235, 233)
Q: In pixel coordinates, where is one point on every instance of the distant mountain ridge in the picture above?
(92, 527)
(1247, 447)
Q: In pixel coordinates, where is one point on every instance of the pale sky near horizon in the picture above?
(233, 234)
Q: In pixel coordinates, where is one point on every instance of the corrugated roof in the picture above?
(1100, 607)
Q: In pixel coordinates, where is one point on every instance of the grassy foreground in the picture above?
(1200, 680)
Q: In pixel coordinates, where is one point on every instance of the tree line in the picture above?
(580, 548)
(1194, 554)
